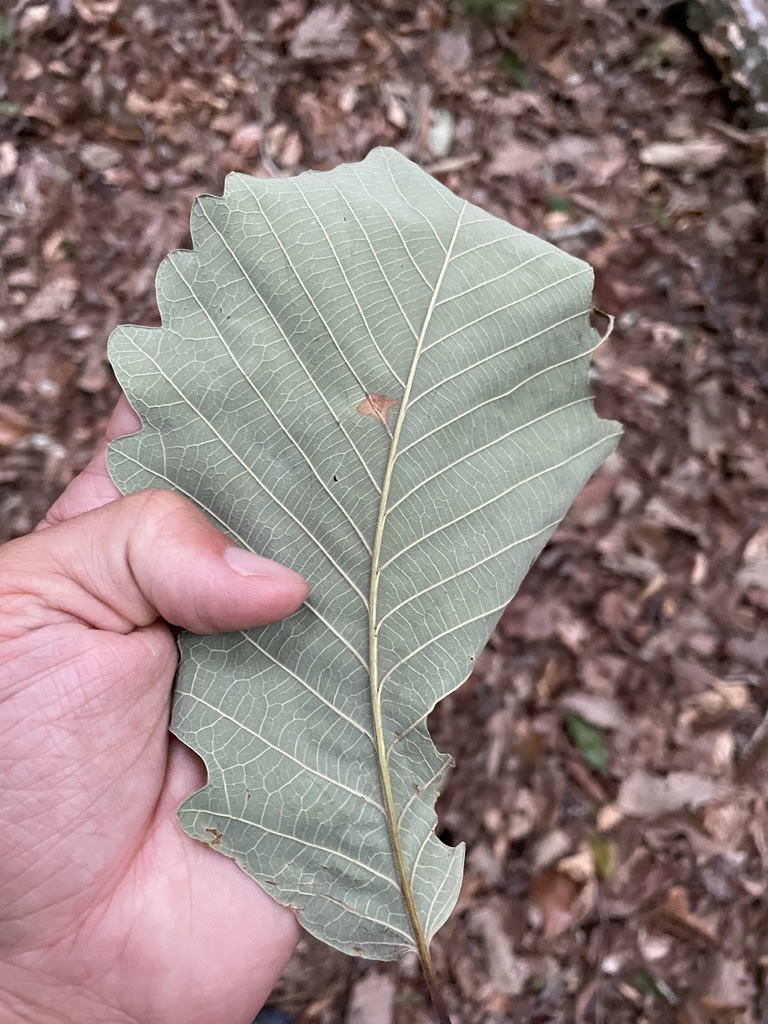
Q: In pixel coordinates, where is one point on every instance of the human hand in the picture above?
(109, 913)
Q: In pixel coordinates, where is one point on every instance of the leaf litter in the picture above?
(667, 630)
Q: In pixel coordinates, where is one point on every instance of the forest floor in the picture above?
(611, 748)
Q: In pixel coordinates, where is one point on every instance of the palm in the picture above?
(107, 890)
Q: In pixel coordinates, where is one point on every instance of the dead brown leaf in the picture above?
(555, 897)
(676, 913)
(509, 973)
(13, 425)
(692, 155)
(325, 34)
(514, 159)
(9, 159)
(372, 999)
(732, 989)
(598, 158)
(604, 712)
(53, 299)
(642, 795)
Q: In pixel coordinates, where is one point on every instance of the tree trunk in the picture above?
(735, 33)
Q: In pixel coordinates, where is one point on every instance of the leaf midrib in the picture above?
(390, 812)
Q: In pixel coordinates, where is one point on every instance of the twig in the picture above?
(756, 137)
(229, 17)
(452, 163)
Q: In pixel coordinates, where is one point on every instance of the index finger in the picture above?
(93, 487)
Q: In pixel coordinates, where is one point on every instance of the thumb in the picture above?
(147, 555)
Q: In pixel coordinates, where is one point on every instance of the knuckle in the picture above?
(157, 503)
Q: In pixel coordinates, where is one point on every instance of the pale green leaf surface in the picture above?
(303, 296)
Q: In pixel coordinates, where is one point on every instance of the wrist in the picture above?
(29, 997)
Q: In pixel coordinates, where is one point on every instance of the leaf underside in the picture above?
(364, 377)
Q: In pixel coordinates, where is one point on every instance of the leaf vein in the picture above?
(469, 568)
(310, 298)
(348, 283)
(383, 767)
(503, 309)
(271, 411)
(279, 750)
(494, 355)
(302, 526)
(329, 704)
(497, 440)
(287, 341)
(499, 277)
(433, 640)
(497, 497)
(415, 796)
(307, 843)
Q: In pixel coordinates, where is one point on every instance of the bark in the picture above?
(735, 32)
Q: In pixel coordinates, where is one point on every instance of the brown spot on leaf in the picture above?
(216, 836)
(378, 406)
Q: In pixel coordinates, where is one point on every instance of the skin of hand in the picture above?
(109, 913)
